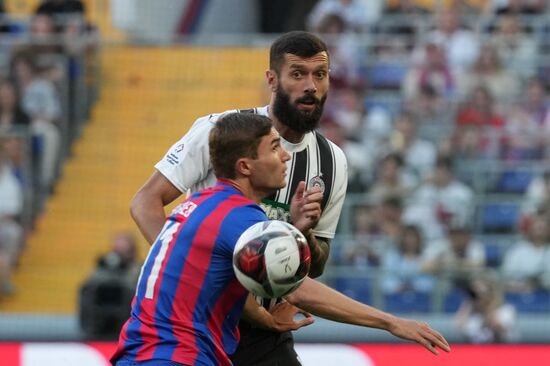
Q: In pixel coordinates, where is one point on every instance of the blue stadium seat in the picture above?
(408, 302)
(358, 288)
(533, 302)
(386, 75)
(514, 181)
(453, 299)
(499, 217)
(493, 254)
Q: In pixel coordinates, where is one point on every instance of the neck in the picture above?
(244, 186)
(286, 132)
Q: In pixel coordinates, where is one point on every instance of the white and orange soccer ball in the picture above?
(271, 259)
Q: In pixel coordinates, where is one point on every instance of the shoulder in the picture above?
(323, 142)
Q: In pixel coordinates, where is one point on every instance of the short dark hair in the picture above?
(236, 135)
(299, 43)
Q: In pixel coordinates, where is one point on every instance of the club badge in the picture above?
(317, 181)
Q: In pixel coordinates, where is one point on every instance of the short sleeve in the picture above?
(187, 162)
(326, 227)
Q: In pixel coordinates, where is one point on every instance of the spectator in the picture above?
(11, 209)
(519, 7)
(484, 317)
(460, 44)
(440, 201)
(479, 128)
(516, 49)
(431, 109)
(402, 265)
(526, 265)
(41, 102)
(106, 295)
(357, 14)
(433, 72)
(11, 114)
(419, 155)
(365, 252)
(458, 255)
(488, 71)
(345, 52)
(391, 180)
(537, 197)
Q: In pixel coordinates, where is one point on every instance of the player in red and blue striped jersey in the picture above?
(188, 301)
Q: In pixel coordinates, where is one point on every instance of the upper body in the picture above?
(188, 301)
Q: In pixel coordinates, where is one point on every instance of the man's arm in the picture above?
(147, 207)
(280, 318)
(318, 299)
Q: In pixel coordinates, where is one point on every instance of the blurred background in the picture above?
(441, 107)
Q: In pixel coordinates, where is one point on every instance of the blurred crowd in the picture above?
(442, 109)
(45, 92)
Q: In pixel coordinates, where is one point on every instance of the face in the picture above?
(7, 96)
(301, 89)
(268, 170)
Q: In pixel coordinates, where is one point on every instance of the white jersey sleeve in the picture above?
(187, 162)
(326, 228)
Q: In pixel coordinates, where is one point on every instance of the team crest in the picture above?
(317, 181)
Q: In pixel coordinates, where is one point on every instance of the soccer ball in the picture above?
(271, 259)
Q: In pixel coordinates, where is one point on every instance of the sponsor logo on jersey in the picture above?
(276, 210)
(172, 159)
(179, 148)
(317, 181)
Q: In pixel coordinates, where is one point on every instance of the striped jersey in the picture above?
(188, 301)
(315, 160)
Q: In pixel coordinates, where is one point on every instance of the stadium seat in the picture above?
(499, 217)
(386, 75)
(358, 288)
(408, 302)
(493, 254)
(453, 299)
(533, 302)
(514, 181)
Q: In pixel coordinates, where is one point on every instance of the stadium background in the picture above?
(149, 70)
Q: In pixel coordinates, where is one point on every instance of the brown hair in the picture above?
(299, 43)
(236, 135)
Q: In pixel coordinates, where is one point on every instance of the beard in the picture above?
(300, 121)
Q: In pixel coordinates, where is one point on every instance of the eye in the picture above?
(296, 74)
(321, 74)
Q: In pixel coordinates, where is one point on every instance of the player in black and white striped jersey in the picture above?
(312, 200)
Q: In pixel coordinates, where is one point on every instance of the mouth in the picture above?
(308, 103)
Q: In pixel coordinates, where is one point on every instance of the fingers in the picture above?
(304, 322)
(432, 339)
(300, 190)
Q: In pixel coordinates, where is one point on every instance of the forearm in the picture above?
(319, 249)
(149, 216)
(320, 300)
(256, 314)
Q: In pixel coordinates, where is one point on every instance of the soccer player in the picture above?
(298, 77)
(188, 301)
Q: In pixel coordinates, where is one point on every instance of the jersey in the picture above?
(188, 301)
(315, 160)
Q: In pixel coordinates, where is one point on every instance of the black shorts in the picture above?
(263, 348)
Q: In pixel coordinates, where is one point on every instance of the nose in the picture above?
(285, 156)
(310, 87)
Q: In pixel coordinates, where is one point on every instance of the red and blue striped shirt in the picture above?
(188, 301)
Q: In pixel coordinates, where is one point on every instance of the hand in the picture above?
(420, 333)
(283, 315)
(305, 207)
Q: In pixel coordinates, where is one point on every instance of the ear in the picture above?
(243, 167)
(272, 80)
